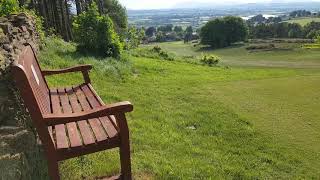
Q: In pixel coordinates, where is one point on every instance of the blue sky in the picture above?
(158, 4)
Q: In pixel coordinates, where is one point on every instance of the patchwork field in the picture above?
(257, 118)
(303, 21)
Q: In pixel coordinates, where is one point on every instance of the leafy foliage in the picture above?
(277, 30)
(151, 31)
(118, 14)
(210, 60)
(95, 34)
(166, 28)
(224, 31)
(155, 53)
(8, 6)
(134, 37)
(38, 23)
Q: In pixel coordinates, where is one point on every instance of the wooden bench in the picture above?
(71, 121)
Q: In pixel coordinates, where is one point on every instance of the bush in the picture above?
(210, 60)
(155, 53)
(96, 34)
(8, 6)
(261, 47)
(39, 23)
(157, 49)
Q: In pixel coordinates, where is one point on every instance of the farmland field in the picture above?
(303, 21)
(256, 116)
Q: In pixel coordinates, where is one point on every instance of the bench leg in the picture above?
(125, 161)
(53, 168)
(124, 148)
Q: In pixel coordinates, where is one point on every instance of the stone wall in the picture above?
(21, 155)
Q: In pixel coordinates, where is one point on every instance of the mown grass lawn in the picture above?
(197, 122)
(287, 55)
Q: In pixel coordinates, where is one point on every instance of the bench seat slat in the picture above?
(94, 123)
(85, 130)
(74, 136)
(60, 131)
(95, 102)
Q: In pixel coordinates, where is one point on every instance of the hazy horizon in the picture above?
(165, 4)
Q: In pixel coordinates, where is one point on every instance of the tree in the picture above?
(311, 28)
(222, 32)
(118, 14)
(300, 13)
(189, 30)
(166, 28)
(257, 19)
(160, 37)
(178, 29)
(261, 31)
(295, 30)
(188, 34)
(281, 30)
(95, 33)
(134, 37)
(151, 31)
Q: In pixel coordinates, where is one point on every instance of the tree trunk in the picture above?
(78, 5)
(101, 6)
(64, 29)
(68, 23)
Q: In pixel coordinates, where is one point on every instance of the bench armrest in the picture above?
(107, 110)
(81, 68)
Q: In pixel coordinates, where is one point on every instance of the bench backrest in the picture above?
(31, 83)
(34, 92)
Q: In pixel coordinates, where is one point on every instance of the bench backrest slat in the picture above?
(36, 81)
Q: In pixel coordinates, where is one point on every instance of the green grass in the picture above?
(250, 122)
(287, 55)
(303, 21)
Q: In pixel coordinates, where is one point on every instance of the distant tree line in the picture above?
(170, 33)
(300, 13)
(285, 30)
(275, 27)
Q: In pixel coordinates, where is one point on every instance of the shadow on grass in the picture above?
(77, 55)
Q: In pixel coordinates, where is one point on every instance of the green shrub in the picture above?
(154, 53)
(39, 23)
(210, 60)
(95, 34)
(8, 6)
(261, 47)
(157, 49)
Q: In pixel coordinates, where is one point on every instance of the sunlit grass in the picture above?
(197, 122)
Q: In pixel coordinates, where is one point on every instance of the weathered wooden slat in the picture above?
(74, 136)
(60, 131)
(96, 102)
(84, 128)
(95, 124)
(108, 126)
(76, 107)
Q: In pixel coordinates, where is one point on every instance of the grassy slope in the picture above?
(287, 56)
(303, 21)
(230, 140)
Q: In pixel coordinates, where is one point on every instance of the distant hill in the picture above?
(282, 5)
